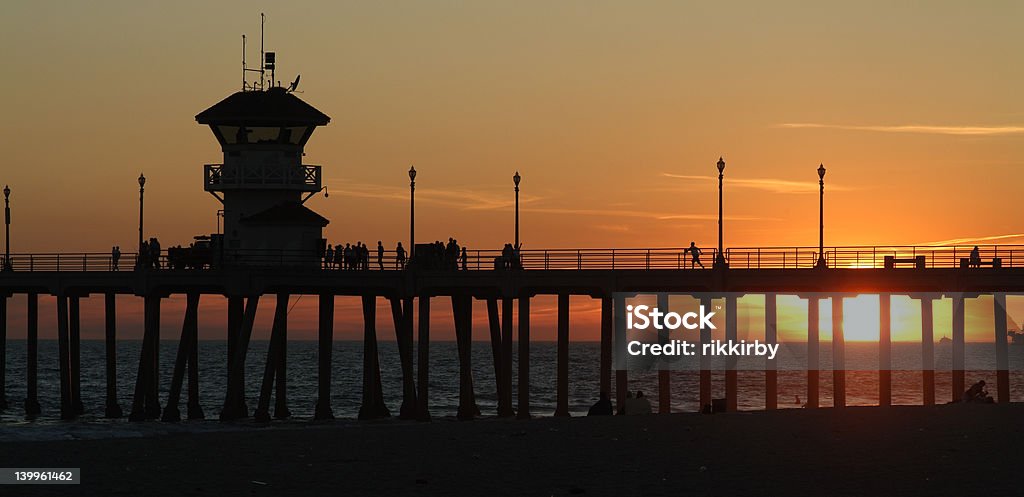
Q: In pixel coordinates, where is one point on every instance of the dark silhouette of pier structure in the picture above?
(272, 245)
(607, 275)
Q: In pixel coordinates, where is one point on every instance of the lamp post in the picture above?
(516, 179)
(821, 217)
(7, 228)
(412, 211)
(142, 191)
(720, 256)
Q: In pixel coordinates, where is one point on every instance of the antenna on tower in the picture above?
(266, 62)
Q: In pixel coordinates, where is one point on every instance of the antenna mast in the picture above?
(263, 20)
(243, 62)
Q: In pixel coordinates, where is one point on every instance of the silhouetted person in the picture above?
(380, 255)
(347, 257)
(975, 260)
(464, 258)
(115, 257)
(603, 406)
(328, 257)
(154, 252)
(977, 393)
(399, 256)
(695, 252)
(638, 405)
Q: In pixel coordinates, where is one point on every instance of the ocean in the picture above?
(862, 386)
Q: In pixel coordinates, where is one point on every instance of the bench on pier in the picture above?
(891, 261)
(965, 262)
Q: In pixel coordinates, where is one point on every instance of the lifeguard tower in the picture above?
(262, 182)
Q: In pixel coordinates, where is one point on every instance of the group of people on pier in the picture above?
(356, 256)
(149, 254)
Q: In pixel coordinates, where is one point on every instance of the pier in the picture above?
(602, 274)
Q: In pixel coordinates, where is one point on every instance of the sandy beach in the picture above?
(942, 450)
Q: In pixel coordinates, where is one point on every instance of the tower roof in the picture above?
(273, 107)
(287, 213)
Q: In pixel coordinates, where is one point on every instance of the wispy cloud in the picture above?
(773, 185)
(916, 128)
(978, 240)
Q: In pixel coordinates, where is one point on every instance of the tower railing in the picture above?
(220, 177)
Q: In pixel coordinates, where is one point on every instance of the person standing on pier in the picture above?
(695, 252)
(328, 257)
(380, 255)
(115, 257)
(975, 257)
(399, 256)
(464, 258)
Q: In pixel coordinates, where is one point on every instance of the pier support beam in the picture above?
(813, 352)
(194, 408)
(958, 348)
(145, 403)
(621, 377)
(1002, 350)
(664, 375)
(75, 349)
(113, 408)
(186, 345)
(505, 404)
(234, 399)
(884, 349)
(64, 367)
(373, 393)
(423, 361)
(462, 311)
(771, 337)
(838, 354)
(494, 324)
(562, 382)
(3, 352)
(325, 335)
(236, 315)
(606, 346)
(704, 397)
(274, 367)
(731, 334)
(402, 317)
(927, 351)
(524, 358)
(32, 408)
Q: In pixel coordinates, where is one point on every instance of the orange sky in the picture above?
(613, 112)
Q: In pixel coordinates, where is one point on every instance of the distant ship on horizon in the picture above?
(945, 340)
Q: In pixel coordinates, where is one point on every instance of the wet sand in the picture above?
(863, 451)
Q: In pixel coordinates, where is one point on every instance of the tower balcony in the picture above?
(221, 177)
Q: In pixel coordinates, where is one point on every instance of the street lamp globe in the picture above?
(721, 165)
(412, 173)
(142, 180)
(821, 171)
(517, 178)
(7, 192)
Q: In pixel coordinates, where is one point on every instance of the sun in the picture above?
(861, 319)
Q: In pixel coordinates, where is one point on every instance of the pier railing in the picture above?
(851, 257)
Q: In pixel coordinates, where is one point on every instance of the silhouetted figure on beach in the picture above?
(695, 252)
(603, 406)
(380, 255)
(638, 405)
(115, 257)
(977, 394)
(975, 257)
